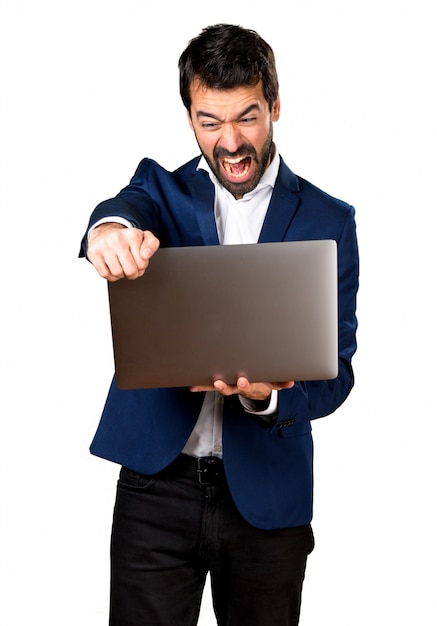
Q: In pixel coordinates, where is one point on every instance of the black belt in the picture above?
(210, 470)
(207, 470)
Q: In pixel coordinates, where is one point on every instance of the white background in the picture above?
(89, 87)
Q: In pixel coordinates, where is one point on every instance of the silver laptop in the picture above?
(265, 311)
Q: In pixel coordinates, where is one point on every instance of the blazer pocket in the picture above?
(291, 428)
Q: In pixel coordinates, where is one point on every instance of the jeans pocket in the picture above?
(134, 481)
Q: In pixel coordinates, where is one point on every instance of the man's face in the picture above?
(234, 131)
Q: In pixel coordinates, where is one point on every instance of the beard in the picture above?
(260, 160)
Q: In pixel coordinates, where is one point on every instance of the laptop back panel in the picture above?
(265, 311)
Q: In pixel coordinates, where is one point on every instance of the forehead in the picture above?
(225, 102)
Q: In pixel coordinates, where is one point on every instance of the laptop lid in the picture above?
(265, 311)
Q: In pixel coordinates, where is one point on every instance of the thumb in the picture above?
(149, 245)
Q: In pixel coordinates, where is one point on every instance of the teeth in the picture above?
(236, 160)
(228, 163)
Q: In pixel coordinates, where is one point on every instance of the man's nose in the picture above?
(231, 138)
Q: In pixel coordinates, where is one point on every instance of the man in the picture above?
(218, 479)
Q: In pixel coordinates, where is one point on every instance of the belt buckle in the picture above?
(207, 472)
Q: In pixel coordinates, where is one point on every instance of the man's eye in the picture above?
(248, 120)
(209, 125)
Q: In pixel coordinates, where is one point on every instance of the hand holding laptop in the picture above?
(243, 387)
(119, 252)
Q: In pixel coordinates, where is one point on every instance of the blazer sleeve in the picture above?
(133, 203)
(314, 399)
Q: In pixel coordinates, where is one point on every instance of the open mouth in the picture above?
(237, 167)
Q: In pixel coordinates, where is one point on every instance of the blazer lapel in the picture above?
(202, 193)
(283, 206)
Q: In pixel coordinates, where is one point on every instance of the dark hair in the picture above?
(225, 57)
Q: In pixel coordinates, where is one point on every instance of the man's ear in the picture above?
(276, 109)
(190, 121)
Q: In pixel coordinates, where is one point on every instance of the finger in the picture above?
(149, 245)
(224, 389)
(129, 254)
(253, 391)
(107, 266)
(132, 261)
(125, 265)
(102, 268)
(283, 385)
(260, 391)
(243, 385)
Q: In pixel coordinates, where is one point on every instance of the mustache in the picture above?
(245, 149)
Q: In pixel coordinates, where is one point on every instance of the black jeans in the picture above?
(169, 531)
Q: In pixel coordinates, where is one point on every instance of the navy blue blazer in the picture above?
(269, 466)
